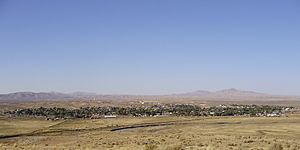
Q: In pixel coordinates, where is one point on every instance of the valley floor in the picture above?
(161, 133)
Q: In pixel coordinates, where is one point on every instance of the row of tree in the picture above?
(138, 111)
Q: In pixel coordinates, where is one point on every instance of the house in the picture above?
(273, 115)
(110, 116)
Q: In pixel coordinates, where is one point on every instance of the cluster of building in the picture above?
(155, 110)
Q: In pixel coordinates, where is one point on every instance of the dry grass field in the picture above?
(161, 133)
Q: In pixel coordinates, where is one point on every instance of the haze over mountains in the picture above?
(227, 94)
(31, 96)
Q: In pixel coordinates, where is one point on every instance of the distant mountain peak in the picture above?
(232, 92)
(236, 92)
(229, 90)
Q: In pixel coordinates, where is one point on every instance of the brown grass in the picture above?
(186, 133)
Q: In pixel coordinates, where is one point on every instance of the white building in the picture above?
(110, 116)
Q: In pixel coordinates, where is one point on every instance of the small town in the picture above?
(153, 111)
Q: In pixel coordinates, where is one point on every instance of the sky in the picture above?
(149, 47)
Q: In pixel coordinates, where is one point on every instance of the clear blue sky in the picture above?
(149, 47)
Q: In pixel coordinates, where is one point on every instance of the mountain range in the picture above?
(31, 96)
(227, 94)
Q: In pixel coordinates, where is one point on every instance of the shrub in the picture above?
(276, 147)
(175, 147)
(151, 147)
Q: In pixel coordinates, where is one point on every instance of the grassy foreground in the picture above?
(162, 133)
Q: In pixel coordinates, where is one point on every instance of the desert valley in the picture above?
(227, 119)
